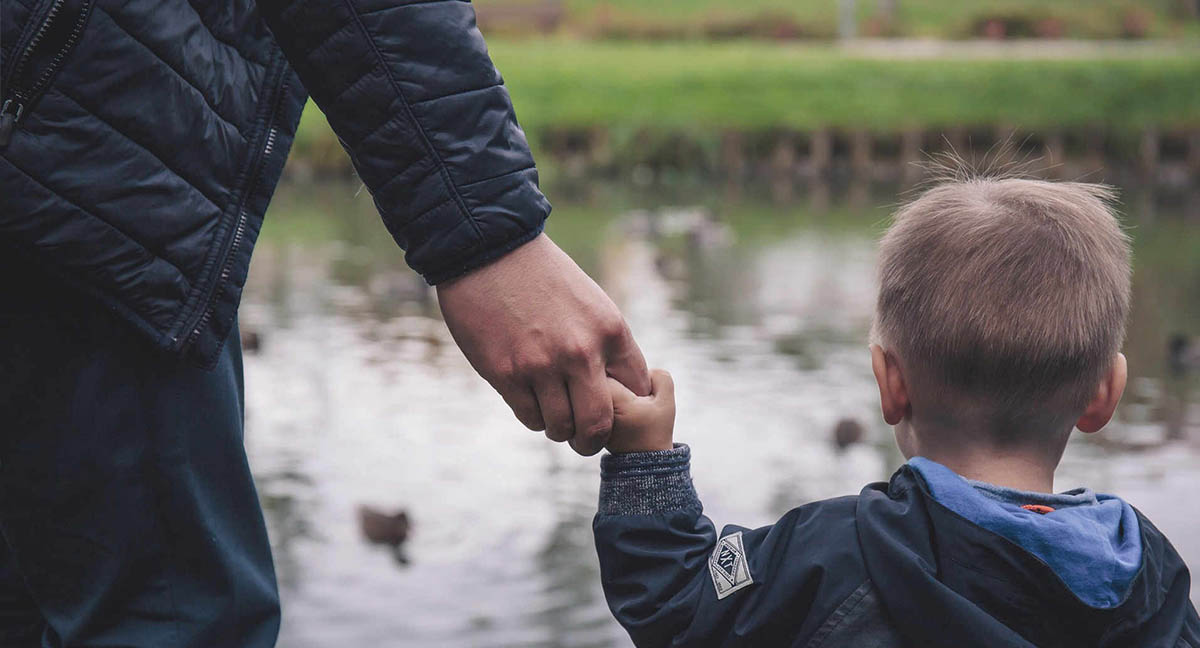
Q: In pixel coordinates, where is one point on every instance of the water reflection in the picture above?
(760, 309)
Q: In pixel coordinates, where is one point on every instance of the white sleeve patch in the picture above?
(728, 566)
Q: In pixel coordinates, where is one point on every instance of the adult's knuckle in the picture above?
(560, 430)
(563, 422)
(591, 440)
(504, 373)
(529, 417)
(596, 428)
(586, 448)
(613, 328)
(577, 352)
(533, 366)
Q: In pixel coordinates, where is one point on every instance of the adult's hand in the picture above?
(546, 337)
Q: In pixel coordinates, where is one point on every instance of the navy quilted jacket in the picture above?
(889, 568)
(140, 142)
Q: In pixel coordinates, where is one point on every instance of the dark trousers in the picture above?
(127, 510)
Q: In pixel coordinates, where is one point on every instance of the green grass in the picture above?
(914, 18)
(689, 86)
(637, 90)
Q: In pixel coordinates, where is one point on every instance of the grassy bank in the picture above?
(761, 86)
(698, 90)
(634, 19)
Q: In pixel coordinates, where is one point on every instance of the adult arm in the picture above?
(415, 100)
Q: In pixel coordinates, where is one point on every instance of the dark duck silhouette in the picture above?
(847, 432)
(1183, 355)
(251, 340)
(386, 529)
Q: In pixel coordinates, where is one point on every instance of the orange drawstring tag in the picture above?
(1038, 508)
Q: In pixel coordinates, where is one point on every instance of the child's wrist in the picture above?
(655, 443)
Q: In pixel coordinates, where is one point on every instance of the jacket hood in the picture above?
(1091, 541)
(947, 581)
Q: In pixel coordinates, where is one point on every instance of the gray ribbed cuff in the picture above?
(647, 483)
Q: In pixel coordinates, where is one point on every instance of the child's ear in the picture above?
(893, 390)
(1100, 410)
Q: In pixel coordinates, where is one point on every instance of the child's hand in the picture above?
(643, 423)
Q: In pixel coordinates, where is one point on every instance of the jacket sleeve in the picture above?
(670, 580)
(409, 89)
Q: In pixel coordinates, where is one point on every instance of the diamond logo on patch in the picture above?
(728, 567)
(727, 562)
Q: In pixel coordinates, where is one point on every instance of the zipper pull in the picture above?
(9, 114)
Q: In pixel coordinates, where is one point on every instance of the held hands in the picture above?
(546, 337)
(643, 423)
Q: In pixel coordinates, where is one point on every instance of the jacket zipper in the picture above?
(24, 92)
(239, 231)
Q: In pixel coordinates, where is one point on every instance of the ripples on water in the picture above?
(358, 395)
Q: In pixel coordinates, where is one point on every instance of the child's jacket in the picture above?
(890, 567)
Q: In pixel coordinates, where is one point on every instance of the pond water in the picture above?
(759, 308)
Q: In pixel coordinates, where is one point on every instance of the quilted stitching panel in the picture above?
(125, 172)
(75, 241)
(410, 89)
(181, 44)
(465, 66)
(16, 15)
(137, 194)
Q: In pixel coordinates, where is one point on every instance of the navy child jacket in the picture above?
(888, 567)
(141, 140)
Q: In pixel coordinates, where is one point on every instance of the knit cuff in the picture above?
(647, 483)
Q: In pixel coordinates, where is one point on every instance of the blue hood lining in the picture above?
(1091, 541)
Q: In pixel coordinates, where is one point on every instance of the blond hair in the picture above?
(1008, 291)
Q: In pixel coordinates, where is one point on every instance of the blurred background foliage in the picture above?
(607, 85)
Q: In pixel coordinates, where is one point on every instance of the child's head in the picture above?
(1001, 314)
